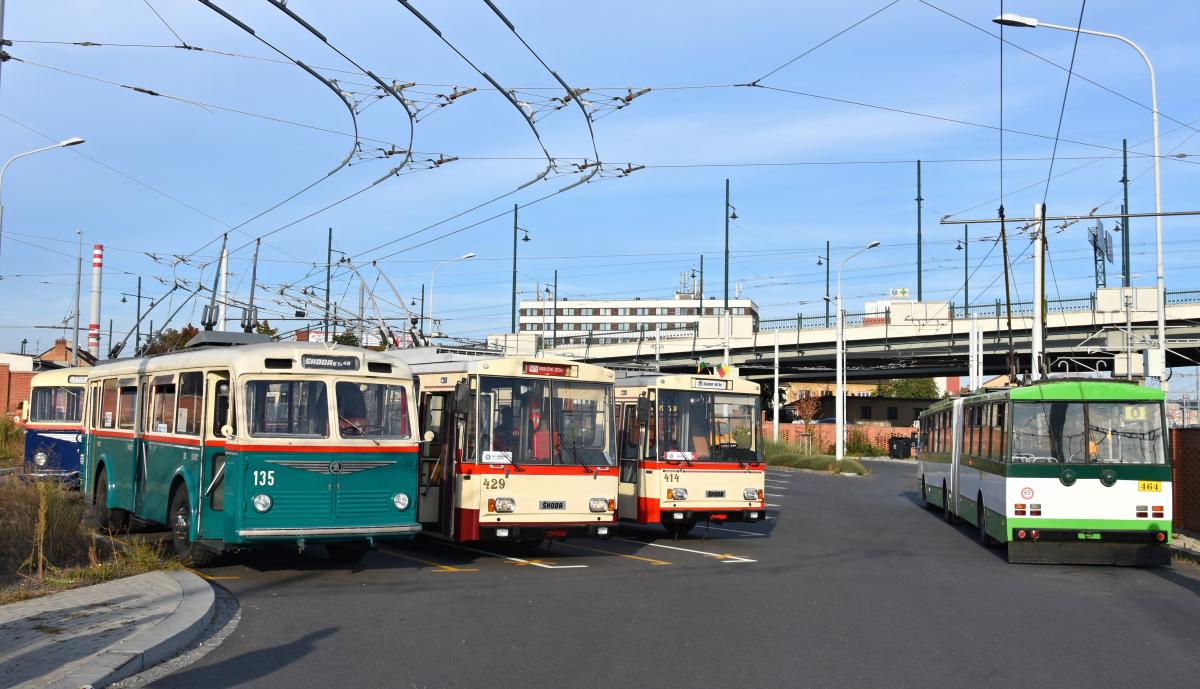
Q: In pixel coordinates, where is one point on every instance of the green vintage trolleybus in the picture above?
(238, 446)
(1069, 471)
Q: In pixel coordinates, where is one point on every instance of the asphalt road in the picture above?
(856, 586)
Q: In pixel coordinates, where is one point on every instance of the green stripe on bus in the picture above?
(1090, 524)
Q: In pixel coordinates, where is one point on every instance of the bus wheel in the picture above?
(949, 518)
(180, 515)
(984, 539)
(678, 529)
(105, 518)
(345, 553)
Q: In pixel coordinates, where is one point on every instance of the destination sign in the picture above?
(332, 363)
(709, 384)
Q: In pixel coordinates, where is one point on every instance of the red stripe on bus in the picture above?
(707, 466)
(38, 427)
(127, 435)
(170, 439)
(533, 469)
(342, 449)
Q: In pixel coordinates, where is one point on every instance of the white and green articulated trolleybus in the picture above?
(233, 447)
(1060, 471)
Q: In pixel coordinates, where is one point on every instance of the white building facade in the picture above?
(603, 321)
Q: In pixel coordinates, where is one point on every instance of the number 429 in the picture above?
(264, 478)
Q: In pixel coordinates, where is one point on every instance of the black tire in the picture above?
(981, 514)
(180, 518)
(678, 529)
(345, 553)
(116, 520)
(946, 516)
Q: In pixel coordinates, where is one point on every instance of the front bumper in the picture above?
(525, 532)
(330, 533)
(68, 478)
(746, 515)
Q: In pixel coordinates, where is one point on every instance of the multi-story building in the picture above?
(566, 322)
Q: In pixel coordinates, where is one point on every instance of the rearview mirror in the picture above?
(428, 437)
(643, 408)
(227, 432)
(462, 396)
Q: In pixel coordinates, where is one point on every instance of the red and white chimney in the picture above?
(94, 320)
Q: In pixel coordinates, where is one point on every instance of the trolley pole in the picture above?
(514, 280)
(919, 201)
(137, 340)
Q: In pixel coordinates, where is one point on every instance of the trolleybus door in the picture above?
(434, 455)
(630, 452)
(216, 413)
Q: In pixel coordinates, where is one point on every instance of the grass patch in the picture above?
(12, 442)
(782, 454)
(45, 547)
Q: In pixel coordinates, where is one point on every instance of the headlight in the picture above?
(677, 493)
(505, 505)
(261, 502)
(750, 494)
(400, 500)
(40, 459)
(598, 504)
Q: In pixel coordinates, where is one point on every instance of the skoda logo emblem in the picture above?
(335, 467)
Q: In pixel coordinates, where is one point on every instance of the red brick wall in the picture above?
(824, 434)
(1185, 457)
(14, 389)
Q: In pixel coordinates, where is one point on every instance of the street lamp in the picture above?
(840, 354)
(1009, 19)
(432, 281)
(73, 141)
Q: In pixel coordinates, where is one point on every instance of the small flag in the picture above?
(700, 366)
(722, 370)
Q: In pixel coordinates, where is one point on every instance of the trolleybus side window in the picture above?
(221, 416)
(433, 419)
(189, 414)
(1000, 443)
(293, 408)
(127, 406)
(371, 410)
(631, 436)
(106, 411)
(59, 403)
(162, 405)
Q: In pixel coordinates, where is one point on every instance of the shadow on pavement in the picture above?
(247, 667)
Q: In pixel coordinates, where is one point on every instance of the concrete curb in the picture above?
(154, 645)
(798, 470)
(1181, 553)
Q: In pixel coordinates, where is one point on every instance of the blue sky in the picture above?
(167, 177)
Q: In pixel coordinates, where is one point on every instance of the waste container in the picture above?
(900, 448)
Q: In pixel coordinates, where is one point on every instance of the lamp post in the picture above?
(1017, 20)
(73, 141)
(730, 214)
(514, 277)
(840, 401)
(433, 331)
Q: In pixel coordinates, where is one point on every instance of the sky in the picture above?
(822, 150)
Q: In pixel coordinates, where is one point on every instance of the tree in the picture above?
(908, 388)
(171, 339)
(347, 338)
(264, 328)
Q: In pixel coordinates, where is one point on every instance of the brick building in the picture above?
(1185, 481)
(16, 370)
(59, 356)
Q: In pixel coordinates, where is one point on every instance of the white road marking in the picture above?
(776, 480)
(517, 560)
(723, 557)
(752, 533)
(771, 504)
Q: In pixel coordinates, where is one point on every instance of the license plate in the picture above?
(1149, 486)
(714, 494)
(554, 505)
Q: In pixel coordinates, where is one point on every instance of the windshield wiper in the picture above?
(361, 431)
(570, 445)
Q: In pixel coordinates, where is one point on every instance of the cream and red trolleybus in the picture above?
(233, 447)
(516, 448)
(690, 450)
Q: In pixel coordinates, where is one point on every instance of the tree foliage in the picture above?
(908, 388)
(264, 328)
(348, 338)
(171, 339)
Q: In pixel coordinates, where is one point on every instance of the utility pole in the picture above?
(1125, 268)
(222, 287)
(1039, 290)
(919, 200)
(328, 269)
(827, 284)
(514, 280)
(421, 327)
(554, 313)
(362, 313)
(775, 391)
(966, 273)
(726, 245)
(137, 342)
(1, 26)
(78, 279)
(701, 284)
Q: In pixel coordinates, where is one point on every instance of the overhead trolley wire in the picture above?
(827, 40)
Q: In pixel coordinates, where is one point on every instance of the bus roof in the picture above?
(1091, 389)
(60, 376)
(309, 357)
(686, 382)
(432, 360)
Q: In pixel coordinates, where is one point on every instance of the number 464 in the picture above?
(264, 478)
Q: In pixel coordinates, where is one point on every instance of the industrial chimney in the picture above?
(94, 320)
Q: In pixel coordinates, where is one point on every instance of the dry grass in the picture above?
(44, 546)
(12, 442)
(782, 454)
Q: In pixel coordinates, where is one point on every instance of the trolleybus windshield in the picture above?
(530, 421)
(707, 426)
(287, 408)
(60, 403)
(1087, 432)
(371, 410)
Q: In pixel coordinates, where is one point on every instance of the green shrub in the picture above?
(12, 441)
